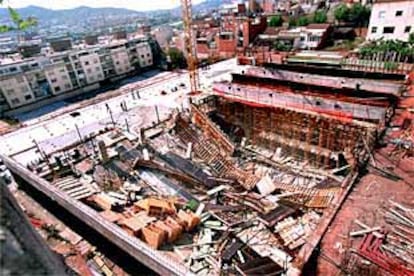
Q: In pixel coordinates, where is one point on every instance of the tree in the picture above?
(177, 58)
(411, 39)
(359, 15)
(276, 21)
(280, 46)
(320, 17)
(303, 21)
(292, 22)
(342, 13)
(19, 24)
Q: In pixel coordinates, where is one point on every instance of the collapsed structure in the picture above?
(245, 181)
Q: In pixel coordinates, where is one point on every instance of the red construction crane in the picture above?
(190, 46)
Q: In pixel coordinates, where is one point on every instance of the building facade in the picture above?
(391, 20)
(25, 81)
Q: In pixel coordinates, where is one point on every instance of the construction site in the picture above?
(252, 177)
(286, 168)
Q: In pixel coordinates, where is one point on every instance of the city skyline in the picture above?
(60, 4)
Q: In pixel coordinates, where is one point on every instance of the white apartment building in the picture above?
(144, 54)
(58, 78)
(16, 90)
(391, 19)
(120, 60)
(92, 67)
(24, 81)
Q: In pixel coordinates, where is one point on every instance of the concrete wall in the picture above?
(271, 97)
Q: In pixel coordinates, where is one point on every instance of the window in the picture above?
(97, 69)
(142, 56)
(86, 62)
(10, 91)
(89, 71)
(381, 14)
(374, 30)
(92, 78)
(148, 55)
(15, 101)
(12, 69)
(117, 63)
(100, 76)
(398, 13)
(53, 80)
(67, 86)
(28, 97)
(388, 30)
(62, 70)
(57, 89)
(407, 29)
(95, 61)
(64, 77)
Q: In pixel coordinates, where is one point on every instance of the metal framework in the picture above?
(190, 45)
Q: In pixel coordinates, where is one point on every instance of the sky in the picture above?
(139, 5)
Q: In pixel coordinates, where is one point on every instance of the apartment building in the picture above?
(391, 19)
(16, 90)
(91, 66)
(121, 60)
(58, 78)
(144, 54)
(25, 81)
(22, 82)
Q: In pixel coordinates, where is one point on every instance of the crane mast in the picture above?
(190, 46)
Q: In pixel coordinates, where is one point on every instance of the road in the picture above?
(53, 131)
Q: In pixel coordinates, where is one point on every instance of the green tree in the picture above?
(411, 39)
(280, 46)
(18, 23)
(342, 13)
(177, 58)
(303, 21)
(292, 22)
(359, 15)
(320, 17)
(276, 21)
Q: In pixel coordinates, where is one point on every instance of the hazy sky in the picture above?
(140, 5)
